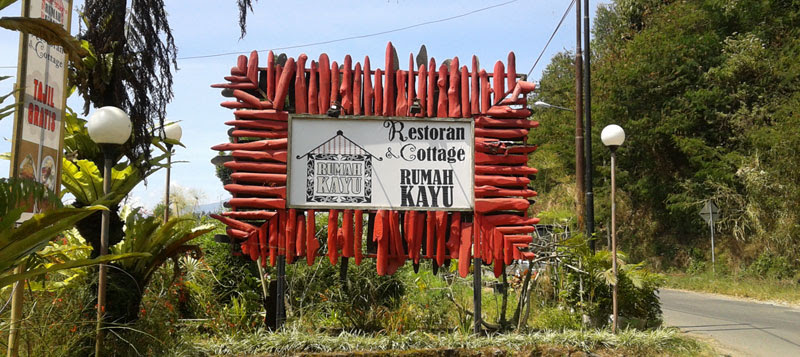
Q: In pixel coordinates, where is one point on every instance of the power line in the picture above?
(552, 35)
(362, 36)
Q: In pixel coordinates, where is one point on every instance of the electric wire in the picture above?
(551, 36)
(359, 36)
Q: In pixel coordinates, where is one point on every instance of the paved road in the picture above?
(748, 328)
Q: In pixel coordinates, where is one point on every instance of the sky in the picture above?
(206, 27)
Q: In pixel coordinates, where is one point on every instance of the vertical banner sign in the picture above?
(41, 79)
(380, 163)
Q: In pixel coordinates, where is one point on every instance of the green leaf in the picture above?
(7, 110)
(33, 234)
(49, 31)
(10, 279)
(5, 3)
(82, 180)
(5, 96)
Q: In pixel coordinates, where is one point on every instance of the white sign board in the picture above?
(42, 77)
(42, 74)
(380, 163)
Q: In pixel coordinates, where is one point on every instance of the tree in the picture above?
(708, 93)
(131, 67)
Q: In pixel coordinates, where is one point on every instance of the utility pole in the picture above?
(579, 162)
(587, 129)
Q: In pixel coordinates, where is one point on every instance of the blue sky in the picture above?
(206, 27)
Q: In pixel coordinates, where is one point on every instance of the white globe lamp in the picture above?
(173, 131)
(613, 136)
(109, 125)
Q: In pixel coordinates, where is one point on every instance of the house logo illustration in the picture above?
(339, 171)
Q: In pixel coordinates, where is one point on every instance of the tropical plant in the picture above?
(8, 109)
(32, 235)
(81, 177)
(589, 280)
(49, 31)
(131, 65)
(162, 241)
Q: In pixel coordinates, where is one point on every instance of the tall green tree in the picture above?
(707, 92)
(131, 66)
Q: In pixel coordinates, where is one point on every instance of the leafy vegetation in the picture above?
(162, 241)
(132, 57)
(707, 92)
(629, 342)
(81, 176)
(18, 242)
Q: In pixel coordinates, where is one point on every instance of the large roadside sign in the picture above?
(41, 78)
(380, 163)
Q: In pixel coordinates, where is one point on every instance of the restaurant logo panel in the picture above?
(381, 163)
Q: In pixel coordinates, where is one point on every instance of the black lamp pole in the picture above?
(587, 128)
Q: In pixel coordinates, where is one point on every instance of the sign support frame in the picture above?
(17, 296)
(710, 212)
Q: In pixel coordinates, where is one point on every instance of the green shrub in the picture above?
(637, 290)
(362, 303)
(554, 319)
(771, 266)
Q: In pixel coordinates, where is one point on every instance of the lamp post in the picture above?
(613, 136)
(109, 127)
(171, 132)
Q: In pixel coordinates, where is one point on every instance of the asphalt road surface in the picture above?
(745, 328)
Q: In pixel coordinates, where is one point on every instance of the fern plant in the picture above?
(161, 241)
(82, 178)
(18, 242)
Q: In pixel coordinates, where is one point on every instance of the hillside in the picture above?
(707, 92)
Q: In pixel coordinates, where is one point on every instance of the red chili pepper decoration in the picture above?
(441, 83)
(291, 235)
(369, 90)
(273, 240)
(454, 242)
(381, 235)
(422, 91)
(464, 260)
(311, 240)
(271, 76)
(432, 85)
(441, 236)
(300, 91)
(466, 110)
(454, 87)
(358, 215)
(357, 88)
(333, 223)
(378, 93)
(347, 226)
(346, 88)
(313, 89)
(283, 84)
(300, 238)
(324, 100)
(388, 91)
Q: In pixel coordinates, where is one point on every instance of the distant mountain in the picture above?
(209, 207)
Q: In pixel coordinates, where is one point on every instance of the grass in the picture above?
(787, 291)
(661, 342)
